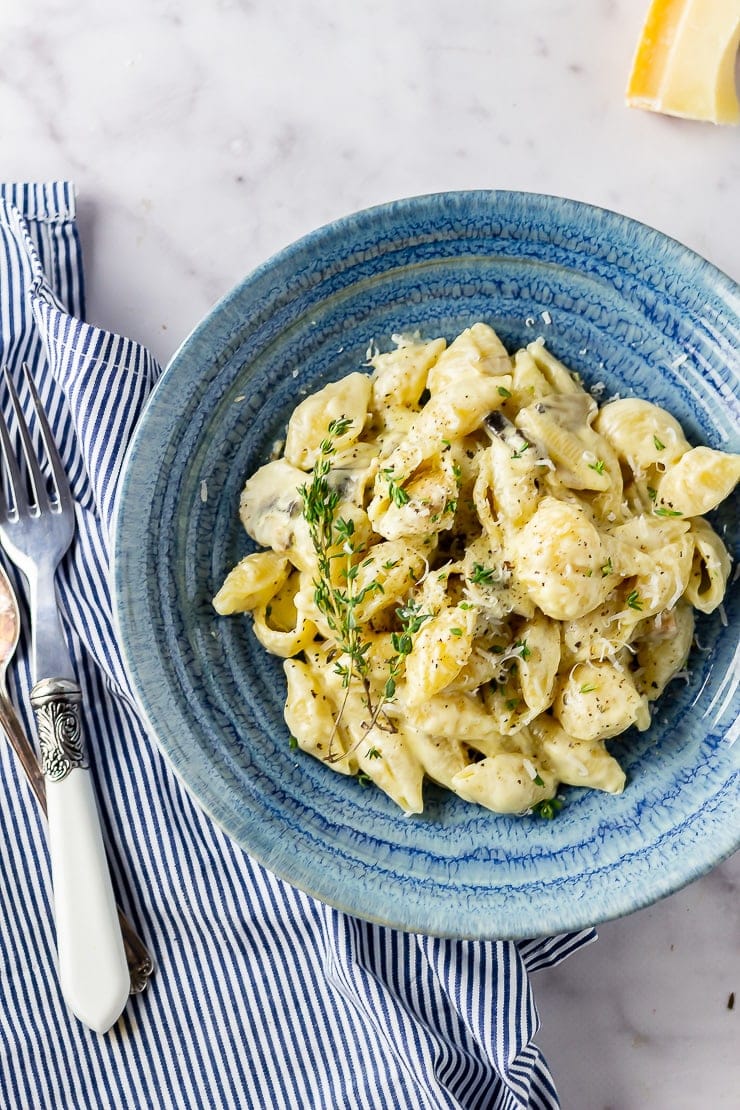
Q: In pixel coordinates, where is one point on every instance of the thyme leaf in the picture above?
(482, 576)
(548, 808)
(398, 495)
(634, 600)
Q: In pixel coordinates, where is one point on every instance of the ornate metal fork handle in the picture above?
(140, 964)
(37, 524)
(56, 704)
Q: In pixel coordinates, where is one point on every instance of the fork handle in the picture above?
(140, 963)
(93, 970)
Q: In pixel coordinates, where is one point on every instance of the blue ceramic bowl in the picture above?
(619, 303)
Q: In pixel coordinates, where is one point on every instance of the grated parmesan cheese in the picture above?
(530, 768)
(677, 594)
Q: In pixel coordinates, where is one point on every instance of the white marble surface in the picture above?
(204, 135)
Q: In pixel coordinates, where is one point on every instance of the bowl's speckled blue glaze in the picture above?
(619, 303)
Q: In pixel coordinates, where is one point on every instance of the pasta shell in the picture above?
(400, 376)
(698, 482)
(347, 399)
(642, 434)
(252, 583)
(710, 568)
(504, 783)
(478, 348)
(597, 701)
(559, 377)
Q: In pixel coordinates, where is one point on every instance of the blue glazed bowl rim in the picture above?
(677, 251)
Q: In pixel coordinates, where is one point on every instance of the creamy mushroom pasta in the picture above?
(474, 574)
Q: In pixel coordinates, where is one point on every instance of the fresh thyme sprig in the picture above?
(411, 618)
(333, 538)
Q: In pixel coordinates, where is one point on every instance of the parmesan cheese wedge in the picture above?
(684, 64)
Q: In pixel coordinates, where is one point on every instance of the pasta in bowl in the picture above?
(634, 314)
(475, 574)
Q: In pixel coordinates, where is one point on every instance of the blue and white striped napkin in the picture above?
(263, 997)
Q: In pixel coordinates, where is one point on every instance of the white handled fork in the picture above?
(36, 528)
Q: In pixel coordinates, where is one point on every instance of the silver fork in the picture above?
(36, 529)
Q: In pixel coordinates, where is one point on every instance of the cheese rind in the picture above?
(684, 64)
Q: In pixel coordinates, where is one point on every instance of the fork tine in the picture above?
(12, 470)
(61, 482)
(35, 474)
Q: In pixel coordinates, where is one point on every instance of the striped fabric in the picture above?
(262, 997)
